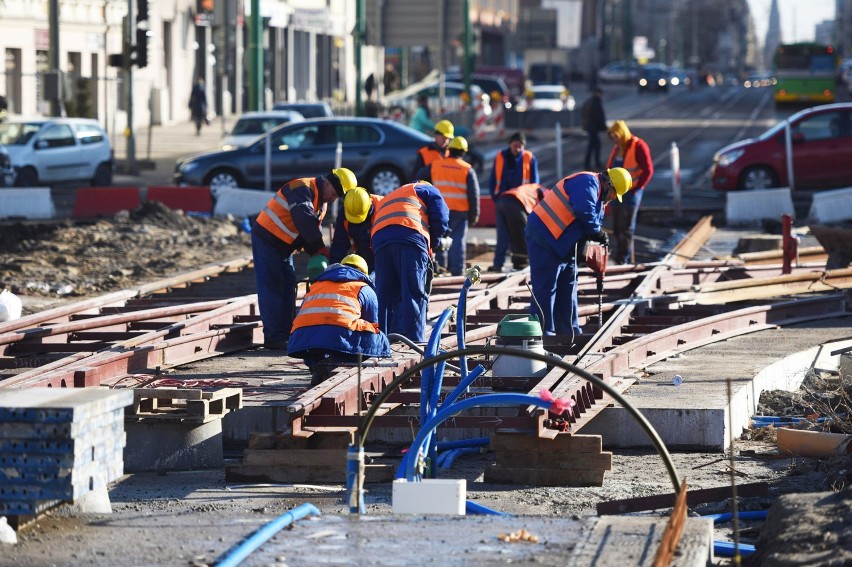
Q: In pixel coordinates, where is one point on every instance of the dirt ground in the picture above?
(192, 518)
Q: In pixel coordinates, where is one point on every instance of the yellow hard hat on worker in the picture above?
(458, 143)
(356, 261)
(356, 205)
(342, 179)
(621, 180)
(445, 128)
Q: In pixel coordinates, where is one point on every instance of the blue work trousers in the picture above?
(624, 217)
(401, 290)
(554, 284)
(502, 246)
(458, 250)
(276, 289)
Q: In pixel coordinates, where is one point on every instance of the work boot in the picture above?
(495, 269)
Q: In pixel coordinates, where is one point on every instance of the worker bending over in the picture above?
(289, 222)
(570, 212)
(459, 186)
(352, 229)
(338, 320)
(409, 223)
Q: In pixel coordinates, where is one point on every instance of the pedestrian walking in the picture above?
(198, 104)
(632, 153)
(338, 320)
(571, 212)
(443, 132)
(459, 186)
(352, 229)
(289, 222)
(593, 120)
(513, 207)
(421, 120)
(513, 166)
(410, 222)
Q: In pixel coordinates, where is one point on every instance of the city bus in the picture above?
(805, 72)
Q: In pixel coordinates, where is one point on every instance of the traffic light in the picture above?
(141, 48)
(141, 10)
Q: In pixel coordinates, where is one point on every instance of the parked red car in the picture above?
(821, 148)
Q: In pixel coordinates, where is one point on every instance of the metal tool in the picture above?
(596, 259)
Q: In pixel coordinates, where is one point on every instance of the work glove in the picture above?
(429, 276)
(444, 243)
(316, 265)
(472, 219)
(600, 237)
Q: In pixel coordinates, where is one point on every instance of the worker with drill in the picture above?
(352, 229)
(338, 320)
(409, 224)
(459, 186)
(571, 212)
(289, 222)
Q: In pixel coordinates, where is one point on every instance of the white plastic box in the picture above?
(430, 496)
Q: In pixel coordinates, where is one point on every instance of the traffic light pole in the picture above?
(255, 58)
(129, 38)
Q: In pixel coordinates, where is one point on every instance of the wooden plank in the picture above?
(695, 496)
(340, 439)
(312, 475)
(172, 393)
(543, 477)
(563, 460)
(523, 441)
(295, 457)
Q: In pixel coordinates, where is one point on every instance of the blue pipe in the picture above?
(430, 389)
(724, 517)
(474, 508)
(354, 462)
(506, 399)
(261, 536)
(726, 549)
(451, 456)
(463, 385)
(477, 442)
(462, 310)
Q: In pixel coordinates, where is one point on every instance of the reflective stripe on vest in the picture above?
(403, 207)
(430, 154)
(554, 210)
(526, 157)
(527, 194)
(333, 303)
(449, 175)
(275, 216)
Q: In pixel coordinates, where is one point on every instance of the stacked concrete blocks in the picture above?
(58, 444)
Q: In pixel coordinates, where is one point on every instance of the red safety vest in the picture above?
(554, 210)
(333, 303)
(275, 216)
(526, 158)
(430, 154)
(630, 162)
(402, 207)
(527, 194)
(449, 175)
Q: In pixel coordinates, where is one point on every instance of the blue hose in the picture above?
(727, 548)
(463, 385)
(261, 536)
(460, 324)
(474, 508)
(476, 442)
(719, 518)
(451, 456)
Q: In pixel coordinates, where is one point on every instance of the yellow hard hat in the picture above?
(458, 143)
(621, 180)
(356, 261)
(445, 128)
(356, 205)
(346, 177)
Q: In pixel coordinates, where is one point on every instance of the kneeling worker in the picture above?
(338, 320)
(352, 229)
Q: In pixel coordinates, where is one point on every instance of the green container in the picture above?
(520, 326)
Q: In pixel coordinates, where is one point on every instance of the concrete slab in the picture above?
(154, 445)
(831, 206)
(26, 202)
(751, 207)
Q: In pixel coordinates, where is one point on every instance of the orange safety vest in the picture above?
(275, 216)
(527, 194)
(554, 210)
(449, 175)
(402, 207)
(333, 303)
(526, 158)
(376, 200)
(630, 162)
(430, 154)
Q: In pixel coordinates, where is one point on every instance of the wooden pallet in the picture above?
(566, 460)
(190, 405)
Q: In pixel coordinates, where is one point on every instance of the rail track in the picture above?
(649, 312)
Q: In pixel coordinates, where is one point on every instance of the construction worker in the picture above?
(513, 166)
(459, 186)
(632, 153)
(289, 222)
(410, 222)
(338, 320)
(352, 229)
(437, 149)
(572, 211)
(513, 206)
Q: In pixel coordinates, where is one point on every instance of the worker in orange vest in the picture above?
(289, 222)
(513, 166)
(572, 211)
(338, 320)
(459, 186)
(514, 207)
(352, 229)
(632, 153)
(410, 222)
(437, 149)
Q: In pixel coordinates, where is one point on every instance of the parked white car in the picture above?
(547, 97)
(250, 125)
(7, 173)
(45, 151)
